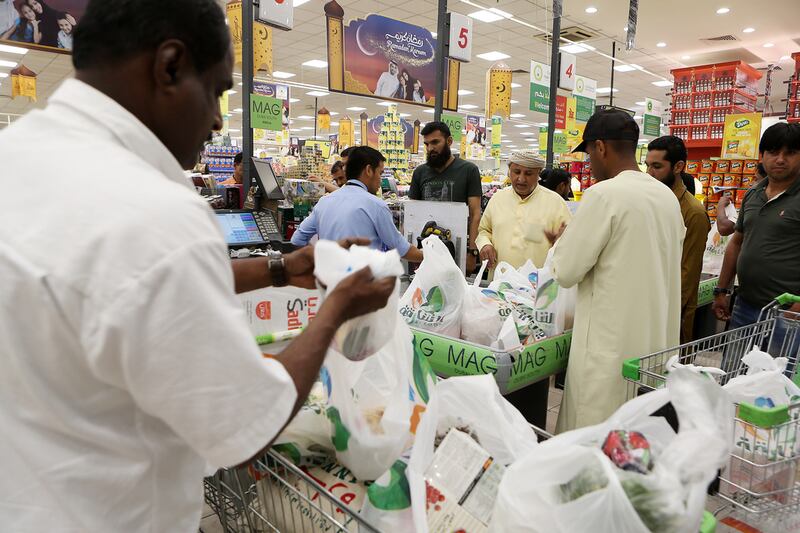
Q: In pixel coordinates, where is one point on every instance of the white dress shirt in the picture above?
(126, 363)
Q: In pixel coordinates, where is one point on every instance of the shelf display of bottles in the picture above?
(220, 160)
(703, 96)
(793, 105)
(391, 140)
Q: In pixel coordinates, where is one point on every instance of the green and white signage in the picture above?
(540, 87)
(651, 121)
(266, 113)
(585, 94)
(455, 123)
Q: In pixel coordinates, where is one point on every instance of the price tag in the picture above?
(460, 37)
(567, 71)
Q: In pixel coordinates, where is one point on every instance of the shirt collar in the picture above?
(679, 188)
(523, 200)
(128, 130)
(358, 183)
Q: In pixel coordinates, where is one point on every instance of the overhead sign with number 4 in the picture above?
(567, 72)
(460, 37)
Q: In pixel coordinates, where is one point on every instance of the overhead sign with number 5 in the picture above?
(460, 37)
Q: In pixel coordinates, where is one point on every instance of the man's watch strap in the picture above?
(722, 290)
(474, 252)
(277, 269)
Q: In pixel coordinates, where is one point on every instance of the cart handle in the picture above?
(786, 299)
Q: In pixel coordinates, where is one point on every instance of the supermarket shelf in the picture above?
(703, 143)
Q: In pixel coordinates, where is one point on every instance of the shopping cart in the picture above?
(274, 495)
(762, 479)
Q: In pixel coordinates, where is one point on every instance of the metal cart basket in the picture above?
(274, 495)
(762, 479)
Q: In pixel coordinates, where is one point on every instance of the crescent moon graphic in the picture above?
(503, 85)
(360, 46)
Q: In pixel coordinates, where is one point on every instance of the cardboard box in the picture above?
(732, 180)
(737, 166)
(706, 166)
(692, 167)
(750, 166)
(722, 166)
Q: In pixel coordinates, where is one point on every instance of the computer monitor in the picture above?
(266, 180)
(240, 228)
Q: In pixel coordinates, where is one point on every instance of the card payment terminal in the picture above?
(245, 228)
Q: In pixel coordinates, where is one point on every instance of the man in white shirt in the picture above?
(623, 249)
(127, 364)
(388, 83)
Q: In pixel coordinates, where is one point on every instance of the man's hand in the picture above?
(315, 179)
(721, 307)
(723, 203)
(300, 263)
(472, 263)
(360, 293)
(488, 253)
(553, 236)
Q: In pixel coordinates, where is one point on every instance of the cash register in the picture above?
(254, 230)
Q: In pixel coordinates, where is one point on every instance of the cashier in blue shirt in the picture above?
(355, 211)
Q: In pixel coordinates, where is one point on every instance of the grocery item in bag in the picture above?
(568, 484)
(362, 336)
(435, 298)
(473, 405)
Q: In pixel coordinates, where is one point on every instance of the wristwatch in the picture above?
(721, 290)
(473, 252)
(276, 265)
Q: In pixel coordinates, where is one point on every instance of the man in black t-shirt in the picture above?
(445, 178)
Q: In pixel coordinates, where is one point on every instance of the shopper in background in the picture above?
(127, 363)
(356, 210)
(557, 180)
(623, 250)
(666, 160)
(338, 178)
(513, 225)
(238, 172)
(445, 178)
(726, 226)
(764, 252)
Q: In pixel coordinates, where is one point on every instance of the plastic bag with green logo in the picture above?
(374, 404)
(435, 298)
(555, 305)
(473, 404)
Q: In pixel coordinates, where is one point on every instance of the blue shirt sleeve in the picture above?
(306, 230)
(390, 238)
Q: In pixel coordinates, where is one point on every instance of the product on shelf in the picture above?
(391, 140)
(793, 104)
(704, 95)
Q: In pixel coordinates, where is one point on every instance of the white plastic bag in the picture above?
(363, 336)
(397, 500)
(371, 404)
(540, 492)
(483, 314)
(765, 386)
(434, 299)
(555, 305)
(519, 280)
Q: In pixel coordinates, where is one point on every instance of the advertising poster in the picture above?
(455, 123)
(651, 123)
(561, 112)
(40, 24)
(497, 134)
(585, 94)
(274, 90)
(383, 58)
(375, 125)
(741, 136)
(475, 138)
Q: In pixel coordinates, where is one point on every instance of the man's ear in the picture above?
(171, 63)
(679, 166)
(450, 141)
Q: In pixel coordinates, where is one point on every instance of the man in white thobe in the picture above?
(8, 14)
(388, 83)
(623, 250)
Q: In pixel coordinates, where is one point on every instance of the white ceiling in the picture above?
(681, 24)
